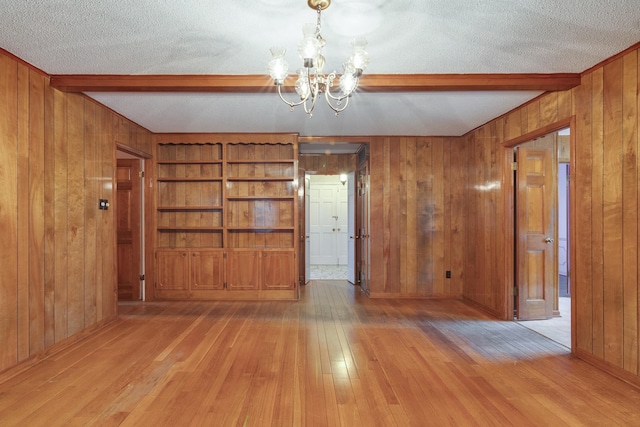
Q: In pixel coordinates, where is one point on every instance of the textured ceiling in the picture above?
(234, 37)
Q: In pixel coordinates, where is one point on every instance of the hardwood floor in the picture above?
(333, 358)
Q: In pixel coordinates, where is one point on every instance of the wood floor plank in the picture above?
(334, 358)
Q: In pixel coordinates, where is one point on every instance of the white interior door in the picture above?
(351, 228)
(329, 221)
(323, 239)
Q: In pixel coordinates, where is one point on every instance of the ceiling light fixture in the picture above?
(311, 81)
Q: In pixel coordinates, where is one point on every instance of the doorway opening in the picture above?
(130, 226)
(530, 290)
(334, 211)
(329, 227)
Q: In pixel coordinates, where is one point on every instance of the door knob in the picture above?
(548, 240)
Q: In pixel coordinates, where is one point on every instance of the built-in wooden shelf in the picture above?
(260, 178)
(260, 197)
(189, 208)
(190, 162)
(265, 228)
(189, 179)
(188, 228)
(258, 161)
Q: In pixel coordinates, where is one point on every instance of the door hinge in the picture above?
(514, 166)
(141, 174)
(142, 277)
(515, 291)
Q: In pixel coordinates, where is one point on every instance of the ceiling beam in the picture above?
(258, 83)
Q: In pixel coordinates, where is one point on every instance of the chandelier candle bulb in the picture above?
(278, 67)
(311, 80)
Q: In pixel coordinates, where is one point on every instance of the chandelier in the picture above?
(311, 82)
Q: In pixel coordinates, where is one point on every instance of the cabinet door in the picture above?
(278, 270)
(172, 270)
(207, 270)
(243, 270)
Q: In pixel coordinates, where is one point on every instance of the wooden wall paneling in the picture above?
(61, 220)
(58, 258)
(104, 134)
(457, 184)
(582, 272)
(483, 231)
(107, 232)
(392, 216)
(565, 104)
(597, 254)
(49, 220)
(513, 126)
(612, 214)
(548, 109)
(403, 256)
(424, 222)
(630, 212)
(9, 213)
(533, 114)
(376, 200)
(468, 255)
(23, 284)
(412, 171)
(76, 203)
(437, 225)
(493, 193)
(91, 196)
(446, 223)
(36, 212)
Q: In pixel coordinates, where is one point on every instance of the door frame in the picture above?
(364, 144)
(509, 220)
(146, 215)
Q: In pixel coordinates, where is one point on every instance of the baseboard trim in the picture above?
(22, 366)
(607, 367)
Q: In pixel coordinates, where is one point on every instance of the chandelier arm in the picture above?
(337, 98)
(290, 104)
(313, 91)
(337, 109)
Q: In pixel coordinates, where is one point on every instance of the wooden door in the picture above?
(536, 207)
(342, 224)
(362, 223)
(172, 270)
(302, 230)
(128, 228)
(207, 270)
(243, 270)
(278, 270)
(351, 228)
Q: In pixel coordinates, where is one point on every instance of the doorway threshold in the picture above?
(557, 328)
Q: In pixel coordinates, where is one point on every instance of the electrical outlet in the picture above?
(447, 274)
